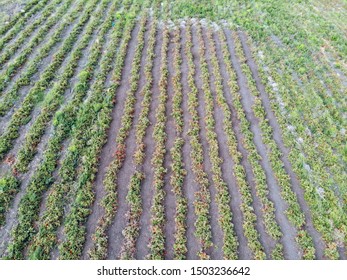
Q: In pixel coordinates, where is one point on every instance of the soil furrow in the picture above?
(23, 130)
(190, 187)
(291, 250)
(170, 200)
(227, 164)
(147, 191)
(277, 135)
(217, 233)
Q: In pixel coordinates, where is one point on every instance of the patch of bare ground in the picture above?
(291, 250)
(123, 179)
(147, 192)
(277, 135)
(190, 187)
(170, 199)
(227, 164)
(23, 91)
(217, 234)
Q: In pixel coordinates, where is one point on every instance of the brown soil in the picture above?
(128, 168)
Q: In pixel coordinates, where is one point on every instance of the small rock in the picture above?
(320, 192)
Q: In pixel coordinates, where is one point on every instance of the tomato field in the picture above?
(150, 129)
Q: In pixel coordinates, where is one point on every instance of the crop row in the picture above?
(293, 212)
(230, 242)
(202, 197)
(20, 24)
(9, 187)
(29, 204)
(109, 203)
(17, 63)
(249, 219)
(22, 114)
(65, 119)
(54, 98)
(131, 232)
(97, 117)
(29, 11)
(306, 161)
(178, 171)
(259, 180)
(25, 78)
(157, 242)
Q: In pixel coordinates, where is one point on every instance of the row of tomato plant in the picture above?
(11, 49)
(19, 17)
(230, 242)
(54, 98)
(28, 210)
(157, 242)
(20, 24)
(45, 239)
(250, 218)
(37, 92)
(177, 166)
(9, 187)
(109, 202)
(261, 188)
(104, 99)
(132, 229)
(305, 155)
(202, 197)
(27, 74)
(293, 212)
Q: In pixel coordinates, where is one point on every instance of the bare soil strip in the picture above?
(170, 200)
(147, 191)
(190, 187)
(227, 164)
(217, 234)
(291, 250)
(317, 239)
